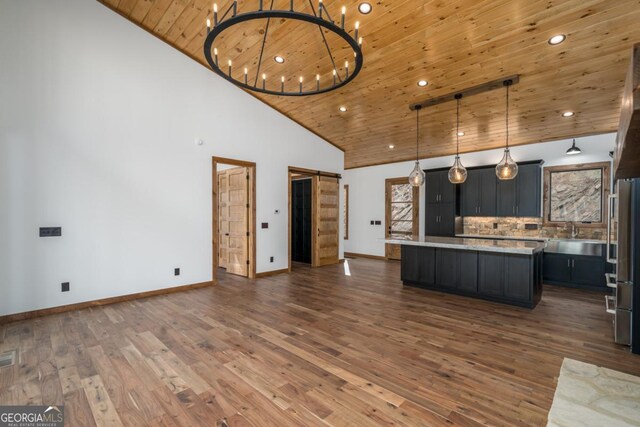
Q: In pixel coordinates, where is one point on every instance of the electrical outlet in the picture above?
(64, 287)
(271, 259)
(176, 271)
(50, 231)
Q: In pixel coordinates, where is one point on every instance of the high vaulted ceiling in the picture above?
(453, 44)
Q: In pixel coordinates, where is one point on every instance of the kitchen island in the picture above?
(505, 271)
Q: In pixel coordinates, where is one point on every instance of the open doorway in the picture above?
(301, 219)
(234, 223)
(313, 217)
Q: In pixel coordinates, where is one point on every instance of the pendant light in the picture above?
(507, 168)
(416, 177)
(457, 173)
(574, 150)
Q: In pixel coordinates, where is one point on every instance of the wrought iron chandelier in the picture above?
(274, 86)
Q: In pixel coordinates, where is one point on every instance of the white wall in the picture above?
(97, 127)
(366, 185)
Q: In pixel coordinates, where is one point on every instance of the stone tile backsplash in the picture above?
(526, 227)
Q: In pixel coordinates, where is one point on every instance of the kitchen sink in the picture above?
(575, 247)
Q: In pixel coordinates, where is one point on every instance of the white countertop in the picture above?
(485, 245)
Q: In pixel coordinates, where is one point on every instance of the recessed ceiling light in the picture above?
(557, 39)
(365, 8)
(391, 146)
(460, 133)
(343, 108)
(568, 114)
(279, 59)
(422, 83)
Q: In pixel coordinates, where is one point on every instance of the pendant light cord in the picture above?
(507, 84)
(418, 107)
(458, 97)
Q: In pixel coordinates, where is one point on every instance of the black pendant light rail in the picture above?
(475, 90)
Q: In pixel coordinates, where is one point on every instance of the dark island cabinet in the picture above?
(579, 271)
(503, 277)
(457, 269)
(521, 197)
(478, 193)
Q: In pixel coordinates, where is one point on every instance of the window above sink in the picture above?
(576, 194)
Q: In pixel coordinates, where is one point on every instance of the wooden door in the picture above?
(223, 224)
(401, 212)
(325, 221)
(234, 220)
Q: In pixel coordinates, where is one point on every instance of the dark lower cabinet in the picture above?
(557, 267)
(509, 278)
(578, 271)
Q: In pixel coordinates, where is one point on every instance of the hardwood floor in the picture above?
(314, 347)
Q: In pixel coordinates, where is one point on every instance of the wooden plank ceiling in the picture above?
(453, 44)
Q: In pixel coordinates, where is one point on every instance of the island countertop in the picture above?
(485, 245)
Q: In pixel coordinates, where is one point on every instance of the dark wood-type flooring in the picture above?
(314, 347)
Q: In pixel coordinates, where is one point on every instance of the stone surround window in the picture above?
(576, 194)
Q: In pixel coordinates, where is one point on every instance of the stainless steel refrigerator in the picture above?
(620, 253)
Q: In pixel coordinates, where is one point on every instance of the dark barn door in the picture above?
(301, 220)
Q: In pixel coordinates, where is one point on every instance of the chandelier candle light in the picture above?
(507, 168)
(416, 177)
(457, 173)
(322, 20)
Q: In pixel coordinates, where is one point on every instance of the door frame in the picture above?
(314, 174)
(216, 219)
(387, 210)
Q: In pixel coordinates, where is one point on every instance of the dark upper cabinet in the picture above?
(479, 193)
(521, 196)
(488, 192)
(469, 194)
(447, 219)
(440, 219)
(438, 188)
(528, 192)
(432, 223)
(506, 195)
(441, 201)
(432, 187)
